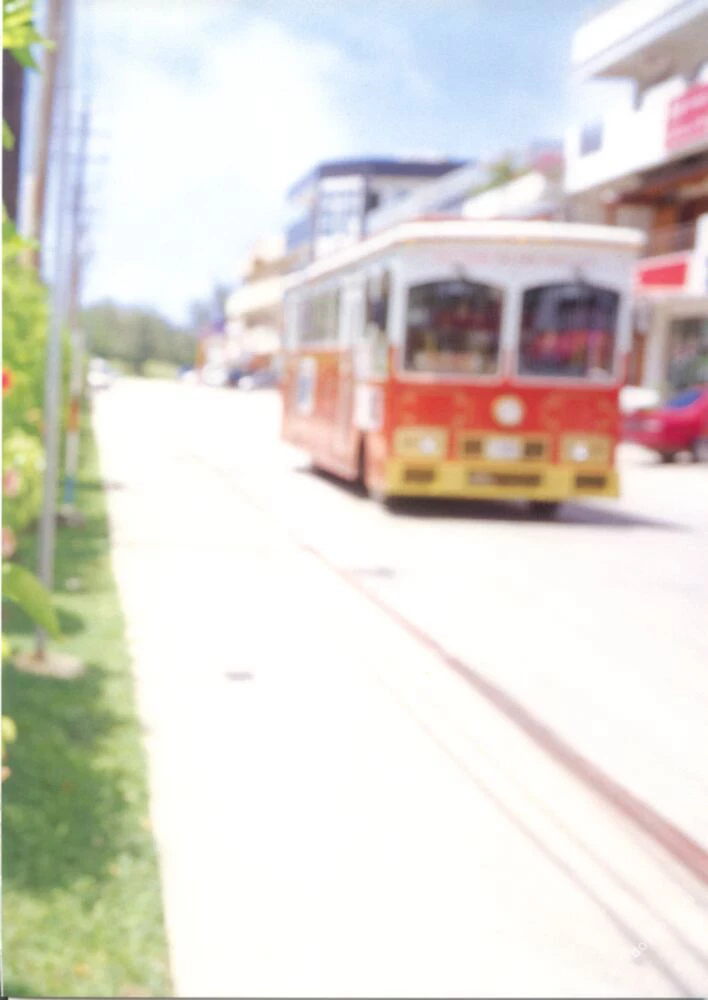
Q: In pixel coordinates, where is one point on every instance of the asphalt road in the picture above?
(393, 833)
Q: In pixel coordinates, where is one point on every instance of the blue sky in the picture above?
(209, 109)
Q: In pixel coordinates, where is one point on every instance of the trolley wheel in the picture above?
(667, 457)
(361, 466)
(544, 509)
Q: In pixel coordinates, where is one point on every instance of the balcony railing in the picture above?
(671, 239)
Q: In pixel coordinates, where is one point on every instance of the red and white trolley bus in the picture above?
(464, 359)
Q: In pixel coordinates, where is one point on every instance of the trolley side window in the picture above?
(320, 318)
(375, 347)
(569, 330)
(453, 328)
(378, 293)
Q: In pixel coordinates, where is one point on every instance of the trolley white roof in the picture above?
(498, 231)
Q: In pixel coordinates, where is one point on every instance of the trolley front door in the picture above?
(344, 438)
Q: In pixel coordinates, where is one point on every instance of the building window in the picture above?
(568, 331)
(688, 353)
(298, 234)
(338, 213)
(591, 138)
(320, 318)
(454, 328)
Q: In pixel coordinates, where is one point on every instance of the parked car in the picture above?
(673, 428)
(266, 379)
(214, 376)
(633, 398)
(234, 377)
(100, 374)
(702, 445)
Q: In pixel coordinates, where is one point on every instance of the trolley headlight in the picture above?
(428, 445)
(580, 452)
(581, 448)
(421, 442)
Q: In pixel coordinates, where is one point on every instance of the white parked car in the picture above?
(100, 374)
(214, 376)
(633, 398)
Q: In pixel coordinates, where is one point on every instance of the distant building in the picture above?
(536, 193)
(329, 208)
(645, 164)
(211, 347)
(254, 310)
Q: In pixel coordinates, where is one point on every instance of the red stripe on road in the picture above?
(677, 843)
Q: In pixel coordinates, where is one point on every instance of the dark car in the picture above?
(235, 375)
(266, 378)
(673, 428)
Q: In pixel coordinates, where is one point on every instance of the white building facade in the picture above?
(644, 163)
(537, 193)
(254, 310)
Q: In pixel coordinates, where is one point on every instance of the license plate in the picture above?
(480, 479)
(504, 448)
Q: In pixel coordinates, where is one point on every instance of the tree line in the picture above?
(134, 336)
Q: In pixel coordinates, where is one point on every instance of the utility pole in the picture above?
(77, 262)
(37, 202)
(56, 664)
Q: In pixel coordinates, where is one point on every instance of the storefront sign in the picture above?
(671, 272)
(688, 117)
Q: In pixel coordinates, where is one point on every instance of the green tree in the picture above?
(133, 336)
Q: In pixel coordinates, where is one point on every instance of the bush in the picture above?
(23, 469)
(24, 325)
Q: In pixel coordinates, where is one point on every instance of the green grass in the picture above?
(152, 368)
(82, 909)
(160, 369)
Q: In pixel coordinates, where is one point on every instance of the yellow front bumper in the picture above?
(486, 480)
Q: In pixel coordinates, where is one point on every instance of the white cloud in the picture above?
(208, 127)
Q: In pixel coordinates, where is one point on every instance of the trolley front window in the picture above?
(569, 330)
(453, 328)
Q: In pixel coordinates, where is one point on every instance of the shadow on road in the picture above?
(429, 508)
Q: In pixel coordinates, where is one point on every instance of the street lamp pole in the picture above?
(52, 390)
(77, 261)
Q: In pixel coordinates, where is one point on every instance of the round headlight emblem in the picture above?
(508, 410)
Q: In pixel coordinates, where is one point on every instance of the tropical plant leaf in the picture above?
(19, 32)
(24, 56)
(25, 590)
(8, 139)
(9, 730)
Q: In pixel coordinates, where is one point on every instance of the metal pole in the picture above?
(52, 391)
(75, 326)
(48, 100)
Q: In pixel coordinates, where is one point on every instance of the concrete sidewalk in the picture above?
(336, 815)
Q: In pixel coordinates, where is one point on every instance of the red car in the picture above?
(675, 427)
(702, 446)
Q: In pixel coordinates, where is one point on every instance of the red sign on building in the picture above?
(688, 117)
(668, 272)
